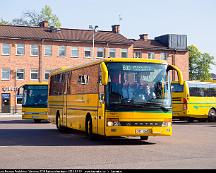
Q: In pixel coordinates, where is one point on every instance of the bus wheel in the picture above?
(212, 115)
(190, 119)
(88, 128)
(37, 120)
(58, 123)
(144, 138)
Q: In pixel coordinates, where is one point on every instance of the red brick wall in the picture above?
(28, 62)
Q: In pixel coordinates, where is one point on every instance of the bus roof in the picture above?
(36, 83)
(196, 82)
(66, 68)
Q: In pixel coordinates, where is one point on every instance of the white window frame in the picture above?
(100, 50)
(20, 72)
(8, 71)
(83, 79)
(61, 48)
(87, 49)
(31, 71)
(20, 47)
(74, 49)
(139, 52)
(165, 54)
(6, 54)
(151, 55)
(32, 48)
(46, 72)
(124, 51)
(112, 50)
(45, 48)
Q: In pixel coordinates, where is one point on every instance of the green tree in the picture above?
(4, 22)
(199, 64)
(32, 18)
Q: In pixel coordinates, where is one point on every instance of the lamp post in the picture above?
(93, 28)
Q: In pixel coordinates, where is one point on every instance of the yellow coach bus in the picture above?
(113, 97)
(34, 103)
(194, 100)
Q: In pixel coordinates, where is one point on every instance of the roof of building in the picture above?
(148, 44)
(62, 34)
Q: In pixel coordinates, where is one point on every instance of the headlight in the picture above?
(165, 124)
(113, 122)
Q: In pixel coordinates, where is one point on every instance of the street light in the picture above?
(93, 28)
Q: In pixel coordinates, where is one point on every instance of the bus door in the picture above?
(65, 92)
(178, 98)
(101, 111)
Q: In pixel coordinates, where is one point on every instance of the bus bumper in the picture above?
(35, 116)
(138, 131)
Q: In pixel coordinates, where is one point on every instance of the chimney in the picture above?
(43, 24)
(143, 36)
(116, 29)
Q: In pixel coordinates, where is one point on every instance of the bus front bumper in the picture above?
(35, 116)
(138, 131)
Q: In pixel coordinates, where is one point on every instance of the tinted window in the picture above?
(175, 87)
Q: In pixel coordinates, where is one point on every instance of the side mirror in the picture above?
(179, 73)
(104, 76)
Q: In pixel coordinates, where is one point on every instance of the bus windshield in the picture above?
(138, 86)
(35, 96)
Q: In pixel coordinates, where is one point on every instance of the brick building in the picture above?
(30, 53)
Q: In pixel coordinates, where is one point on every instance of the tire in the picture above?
(144, 138)
(58, 123)
(190, 119)
(212, 115)
(88, 128)
(37, 120)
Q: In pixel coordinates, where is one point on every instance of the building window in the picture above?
(5, 73)
(100, 52)
(20, 49)
(74, 52)
(83, 79)
(87, 52)
(19, 99)
(151, 55)
(137, 54)
(164, 56)
(46, 75)
(112, 52)
(5, 49)
(34, 74)
(47, 50)
(20, 73)
(34, 50)
(62, 50)
(124, 53)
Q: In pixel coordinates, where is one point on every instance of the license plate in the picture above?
(142, 131)
(35, 117)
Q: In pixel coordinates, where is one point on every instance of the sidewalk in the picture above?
(4, 115)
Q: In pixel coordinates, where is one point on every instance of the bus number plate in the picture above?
(142, 131)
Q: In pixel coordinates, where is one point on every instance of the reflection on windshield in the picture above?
(35, 96)
(138, 84)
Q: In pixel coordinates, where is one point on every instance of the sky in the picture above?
(194, 18)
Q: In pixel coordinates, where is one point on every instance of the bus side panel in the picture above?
(78, 107)
(198, 107)
(55, 106)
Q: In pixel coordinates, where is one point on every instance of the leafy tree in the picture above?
(4, 22)
(199, 64)
(32, 18)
